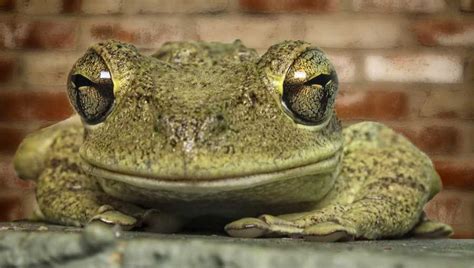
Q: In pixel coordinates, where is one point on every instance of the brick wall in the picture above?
(409, 64)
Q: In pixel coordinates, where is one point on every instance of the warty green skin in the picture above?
(198, 130)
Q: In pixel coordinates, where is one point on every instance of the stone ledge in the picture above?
(36, 244)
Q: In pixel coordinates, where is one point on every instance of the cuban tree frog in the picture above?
(206, 133)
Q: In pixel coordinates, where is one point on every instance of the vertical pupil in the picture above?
(321, 79)
(81, 81)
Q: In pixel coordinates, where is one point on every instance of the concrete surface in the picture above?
(41, 245)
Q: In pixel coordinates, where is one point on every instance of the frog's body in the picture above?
(205, 130)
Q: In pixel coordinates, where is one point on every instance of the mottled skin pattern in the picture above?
(213, 131)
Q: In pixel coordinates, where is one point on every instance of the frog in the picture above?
(208, 134)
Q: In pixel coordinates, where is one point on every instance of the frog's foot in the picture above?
(432, 229)
(329, 232)
(270, 226)
(129, 216)
(80, 208)
(372, 217)
(107, 215)
(265, 225)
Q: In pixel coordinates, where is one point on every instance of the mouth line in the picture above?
(325, 165)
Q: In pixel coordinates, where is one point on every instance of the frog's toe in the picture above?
(114, 217)
(432, 229)
(265, 225)
(247, 228)
(329, 232)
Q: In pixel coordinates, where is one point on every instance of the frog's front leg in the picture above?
(67, 195)
(383, 186)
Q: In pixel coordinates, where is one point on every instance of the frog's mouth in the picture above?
(323, 166)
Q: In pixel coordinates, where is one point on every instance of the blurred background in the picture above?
(409, 64)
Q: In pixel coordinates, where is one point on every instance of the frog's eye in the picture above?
(92, 98)
(310, 88)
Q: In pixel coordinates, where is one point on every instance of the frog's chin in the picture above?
(324, 166)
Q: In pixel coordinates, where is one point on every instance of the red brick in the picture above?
(39, 7)
(71, 6)
(7, 173)
(48, 34)
(8, 178)
(15, 205)
(166, 6)
(470, 69)
(432, 139)
(288, 5)
(144, 33)
(7, 5)
(345, 65)
(427, 67)
(345, 31)
(34, 105)
(447, 103)
(469, 139)
(254, 31)
(438, 139)
(102, 7)
(456, 173)
(445, 32)
(7, 69)
(48, 69)
(11, 135)
(378, 105)
(113, 31)
(37, 34)
(419, 6)
(10, 33)
(467, 5)
(410, 133)
(10, 138)
(9, 207)
(454, 207)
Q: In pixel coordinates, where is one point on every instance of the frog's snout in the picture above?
(184, 129)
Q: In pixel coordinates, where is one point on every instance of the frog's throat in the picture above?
(324, 166)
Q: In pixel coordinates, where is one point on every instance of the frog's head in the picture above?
(206, 113)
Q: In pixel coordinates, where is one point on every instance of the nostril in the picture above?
(179, 128)
(159, 124)
(219, 123)
(212, 125)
